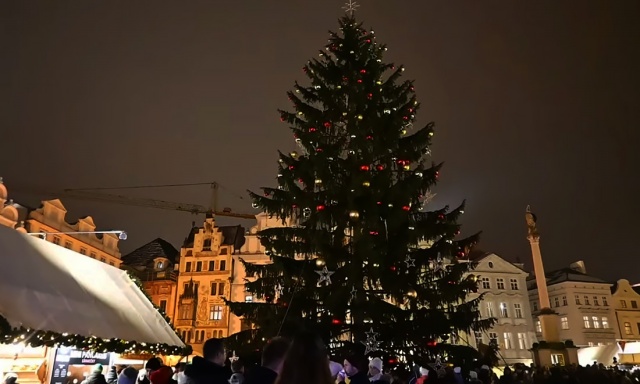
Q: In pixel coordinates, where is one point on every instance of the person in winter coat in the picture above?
(355, 368)
(272, 358)
(162, 375)
(96, 376)
(128, 376)
(306, 362)
(375, 372)
(473, 378)
(209, 369)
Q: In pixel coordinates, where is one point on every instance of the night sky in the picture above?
(535, 102)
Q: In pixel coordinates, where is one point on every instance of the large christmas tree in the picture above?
(358, 258)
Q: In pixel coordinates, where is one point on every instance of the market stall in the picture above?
(54, 297)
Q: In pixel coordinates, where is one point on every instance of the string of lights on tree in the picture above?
(359, 259)
(41, 338)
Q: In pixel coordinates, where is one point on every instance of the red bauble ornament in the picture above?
(393, 268)
(363, 71)
(312, 129)
(336, 321)
(406, 208)
(364, 168)
(432, 343)
(373, 233)
(320, 207)
(369, 137)
(392, 361)
(368, 40)
(327, 125)
(405, 118)
(345, 79)
(441, 216)
(359, 81)
(318, 150)
(437, 175)
(379, 202)
(380, 167)
(294, 206)
(282, 119)
(291, 167)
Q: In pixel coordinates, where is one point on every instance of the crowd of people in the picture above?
(305, 360)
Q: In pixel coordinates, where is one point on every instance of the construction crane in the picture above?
(93, 194)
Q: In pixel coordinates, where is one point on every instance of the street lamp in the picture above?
(122, 235)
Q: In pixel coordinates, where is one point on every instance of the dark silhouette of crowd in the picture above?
(305, 359)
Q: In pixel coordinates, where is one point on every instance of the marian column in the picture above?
(538, 266)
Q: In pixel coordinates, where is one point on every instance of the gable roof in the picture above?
(231, 235)
(144, 255)
(477, 255)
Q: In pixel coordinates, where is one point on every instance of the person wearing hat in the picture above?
(375, 371)
(96, 376)
(355, 368)
(10, 378)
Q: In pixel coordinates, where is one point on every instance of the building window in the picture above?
(638, 328)
(221, 289)
(557, 359)
(68, 245)
(623, 304)
(585, 319)
(556, 301)
(215, 312)
(634, 304)
(223, 265)
(503, 310)
(478, 337)
(160, 265)
(517, 308)
(186, 312)
(604, 301)
(486, 284)
(591, 344)
(564, 322)
(187, 267)
(605, 322)
(199, 266)
(214, 289)
(103, 259)
(56, 240)
(564, 301)
(627, 329)
(490, 311)
(595, 300)
(212, 265)
(93, 255)
(493, 338)
(248, 299)
(83, 251)
(163, 305)
(111, 264)
(596, 321)
(508, 343)
(206, 245)
(514, 284)
(586, 300)
(522, 340)
(223, 251)
(577, 300)
(500, 283)
(538, 326)
(534, 305)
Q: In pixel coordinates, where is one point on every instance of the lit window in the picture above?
(160, 265)
(538, 326)
(248, 299)
(596, 322)
(514, 284)
(490, 311)
(500, 283)
(503, 310)
(591, 344)
(522, 340)
(627, 329)
(585, 319)
(623, 304)
(564, 322)
(508, 343)
(605, 322)
(215, 312)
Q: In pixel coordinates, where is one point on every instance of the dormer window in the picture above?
(206, 245)
(160, 265)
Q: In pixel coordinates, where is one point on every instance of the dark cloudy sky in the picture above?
(536, 102)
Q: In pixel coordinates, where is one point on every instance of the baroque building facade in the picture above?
(504, 289)
(626, 303)
(584, 305)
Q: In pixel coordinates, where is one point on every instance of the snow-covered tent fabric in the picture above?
(50, 288)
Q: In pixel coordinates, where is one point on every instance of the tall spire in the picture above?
(350, 7)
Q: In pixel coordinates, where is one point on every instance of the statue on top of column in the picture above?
(531, 223)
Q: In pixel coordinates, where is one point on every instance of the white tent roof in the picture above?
(50, 288)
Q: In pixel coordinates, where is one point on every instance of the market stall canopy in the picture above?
(50, 288)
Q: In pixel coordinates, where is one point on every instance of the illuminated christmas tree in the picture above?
(360, 260)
